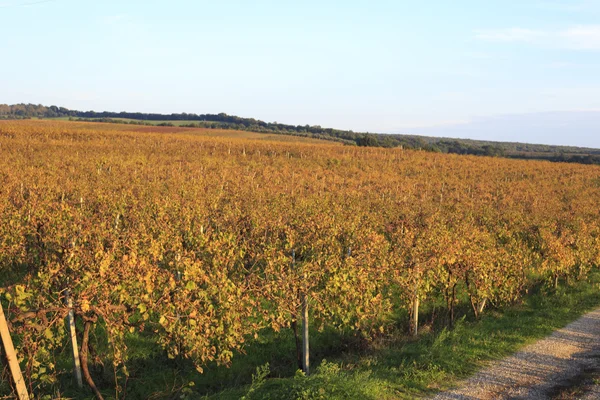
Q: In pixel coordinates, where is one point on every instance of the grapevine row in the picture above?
(190, 237)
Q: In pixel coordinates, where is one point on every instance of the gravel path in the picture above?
(565, 365)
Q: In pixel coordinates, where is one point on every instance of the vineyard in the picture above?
(206, 242)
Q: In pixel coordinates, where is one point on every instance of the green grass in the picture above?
(393, 367)
(224, 132)
(406, 369)
(142, 121)
(172, 122)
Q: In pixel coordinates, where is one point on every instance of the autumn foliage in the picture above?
(191, 236)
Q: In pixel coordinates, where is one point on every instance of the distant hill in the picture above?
(576, 128)
(222, 120)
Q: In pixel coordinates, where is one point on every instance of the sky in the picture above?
(514, 70)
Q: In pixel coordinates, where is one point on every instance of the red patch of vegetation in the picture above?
(159, 129)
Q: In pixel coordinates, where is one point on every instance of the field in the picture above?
(153, 127)
(188, 255)
(143, 121)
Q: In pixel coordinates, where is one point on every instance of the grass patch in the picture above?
(405, 368)
(393, 367)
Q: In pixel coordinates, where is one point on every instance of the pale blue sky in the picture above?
(429, 66)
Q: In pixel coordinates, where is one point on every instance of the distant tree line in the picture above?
(225, 121)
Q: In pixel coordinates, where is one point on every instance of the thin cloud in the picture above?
(583, 37)
(510, 35)
(408, 125)
(25, 4)
(568, 64)
(570, 5)
(113, 19)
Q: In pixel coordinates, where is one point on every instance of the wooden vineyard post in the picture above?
(73, 336)
(178, 276)
(294, 322)
(11, 356)
(305, 338)
(415, 303)
(415, 315)
(305, 344)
